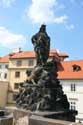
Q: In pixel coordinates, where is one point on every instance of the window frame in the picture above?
(17, 74)
(73, 87)
(16, 85)
(31, 62)
(76, 68)
(18, 63)
(5, 75)
(6, 66)
(14, 96)
(0, 66)
(73, 105)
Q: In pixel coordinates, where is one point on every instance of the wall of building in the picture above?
(3, 70)
(25, 63)
(75, 97)
(13, 68)
(14, 80)
(3, 93)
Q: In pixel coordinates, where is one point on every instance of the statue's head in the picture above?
(43, 28)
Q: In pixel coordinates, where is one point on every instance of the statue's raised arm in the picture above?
(41, 42)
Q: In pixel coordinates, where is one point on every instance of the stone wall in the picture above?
(6, 120)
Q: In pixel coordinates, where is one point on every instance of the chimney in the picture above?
(58, 51)
(16, 50)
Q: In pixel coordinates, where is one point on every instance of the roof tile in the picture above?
(65, 70)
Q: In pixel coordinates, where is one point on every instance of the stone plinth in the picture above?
(38, 120)
(68, 115)
(6, 120)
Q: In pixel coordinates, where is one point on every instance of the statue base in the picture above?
(60, 115)
(38, 120)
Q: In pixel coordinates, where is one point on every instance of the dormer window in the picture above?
(76, 68)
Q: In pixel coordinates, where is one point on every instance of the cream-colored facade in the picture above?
(20, 69)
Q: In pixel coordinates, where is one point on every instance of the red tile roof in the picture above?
(31, 54)
(28, 54)
(23, 54)
(65, 70)
(4, 59)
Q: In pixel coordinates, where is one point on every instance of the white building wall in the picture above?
(3, 70)
(74, 96)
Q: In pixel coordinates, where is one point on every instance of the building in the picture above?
(70, 74)
(18, 65)
(4, 63)
(4, 79)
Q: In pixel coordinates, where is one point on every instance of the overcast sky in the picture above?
(20, 19)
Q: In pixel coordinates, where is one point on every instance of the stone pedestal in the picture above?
(38, 120)
(6, 118)
(61, 115)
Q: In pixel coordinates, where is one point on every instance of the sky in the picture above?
(21, 19)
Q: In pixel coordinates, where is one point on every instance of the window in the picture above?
(14, 96)
(0, 66)
(28, 72)
(16, 85)
(5, 76)
(18, 63)
(76, 68)
(73, 105)
(17, 74)
(31, 62)
(73, 87)
(6, 66)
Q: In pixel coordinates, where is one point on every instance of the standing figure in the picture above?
(41, 42)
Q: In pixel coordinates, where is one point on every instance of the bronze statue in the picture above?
(41, 42)
(42, 90)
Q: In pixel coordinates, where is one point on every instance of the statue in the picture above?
(42, 90)
(41, 42)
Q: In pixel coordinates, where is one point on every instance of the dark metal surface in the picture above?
(42, 90)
